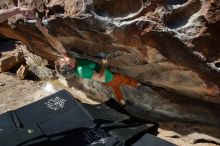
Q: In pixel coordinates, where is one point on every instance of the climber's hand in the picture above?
(104, 61)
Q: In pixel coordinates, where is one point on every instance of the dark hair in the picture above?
(64, 70)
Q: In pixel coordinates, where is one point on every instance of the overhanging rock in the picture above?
(169, 44)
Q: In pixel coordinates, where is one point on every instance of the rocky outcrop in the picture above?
(37, 67)
(22, 72)
(160, 105)
(193, 134)
(10, 57)
(172, 45)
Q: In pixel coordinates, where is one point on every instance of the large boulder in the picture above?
(172, 45)
(169, 44)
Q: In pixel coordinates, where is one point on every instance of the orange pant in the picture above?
(118, 80)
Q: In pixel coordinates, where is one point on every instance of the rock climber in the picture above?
(69, 66)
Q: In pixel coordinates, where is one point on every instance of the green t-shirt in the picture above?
(85, 69)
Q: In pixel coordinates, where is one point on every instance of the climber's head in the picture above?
(65, 66)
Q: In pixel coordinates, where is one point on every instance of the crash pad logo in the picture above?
(96, 136)
(55, 103)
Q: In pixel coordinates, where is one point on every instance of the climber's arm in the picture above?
(100, 77)
(6, 14)
(52, 39)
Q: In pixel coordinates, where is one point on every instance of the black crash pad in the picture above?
(60, 119)
(7, 124)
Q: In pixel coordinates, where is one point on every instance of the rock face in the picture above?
(10, 57)
(192, 133)
(160, 105)
(37, 66)
(169, 44)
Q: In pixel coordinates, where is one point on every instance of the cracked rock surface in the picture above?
(171, 45)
